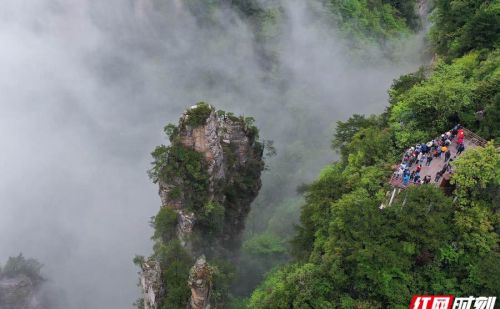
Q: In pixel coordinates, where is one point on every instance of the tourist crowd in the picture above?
(416, 158)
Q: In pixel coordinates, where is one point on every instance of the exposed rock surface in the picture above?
(200, 281)
(232, 160)
(18, 292)
(229, 150)
(151, 283)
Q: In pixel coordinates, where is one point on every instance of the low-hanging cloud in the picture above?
(87, 87)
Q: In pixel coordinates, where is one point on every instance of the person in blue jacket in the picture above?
(406, 179)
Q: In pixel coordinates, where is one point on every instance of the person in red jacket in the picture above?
(460, 136)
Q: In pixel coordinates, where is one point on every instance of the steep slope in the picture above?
(20, 285)
(351, 254)
(207, 178)
(18, 292)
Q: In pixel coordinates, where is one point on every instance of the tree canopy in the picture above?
(348, 252)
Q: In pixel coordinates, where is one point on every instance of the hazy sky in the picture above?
(85, 90)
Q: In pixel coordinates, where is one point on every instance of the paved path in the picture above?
(436, 164)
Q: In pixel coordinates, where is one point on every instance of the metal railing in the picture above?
(396, 189)
(468, 134)
(474, 138)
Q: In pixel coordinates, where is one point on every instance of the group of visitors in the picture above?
(423, 154)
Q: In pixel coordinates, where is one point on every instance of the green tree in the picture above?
(373, 21)
(165, 224)
(19, 265)
(437, 104)
(175, 264)
(295, 286)
(477, 176)
(465, 25)
(197, 115)
(346, 130)
(477, 181)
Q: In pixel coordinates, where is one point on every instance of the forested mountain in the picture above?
(207, 177)
(351, 254)
(370, 30)
(348, 251)
(289, 184)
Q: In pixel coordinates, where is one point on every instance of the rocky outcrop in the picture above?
(208, 176)
(200, 283)
(206, 139)
(19, 292)
(185, 225)
(234, 163)
(151, 283)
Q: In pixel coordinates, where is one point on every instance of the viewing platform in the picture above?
(470, 141)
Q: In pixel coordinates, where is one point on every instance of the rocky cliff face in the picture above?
(23, 287)
(208, 176)
(151, 283)
(200, 283)
(19, 292)
(231, 154)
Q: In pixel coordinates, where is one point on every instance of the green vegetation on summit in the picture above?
(347, 252)
(208, 176)
(351, 254)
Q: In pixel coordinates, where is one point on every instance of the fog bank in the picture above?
(86, 89)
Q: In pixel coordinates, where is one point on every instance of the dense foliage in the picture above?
(19, 265)
(185, 165)
(164, 224)
(348, 253)
(464, 91)
(217, 206)
(175, 263)
(351, 254)
(198, 114)
(362, 26)
(374, 20)
(464, 25)
(361, 22)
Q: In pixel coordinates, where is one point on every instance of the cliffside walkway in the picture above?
(471, 140)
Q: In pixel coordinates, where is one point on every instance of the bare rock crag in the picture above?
(200, 281)
(19, 292)
(232, 157)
